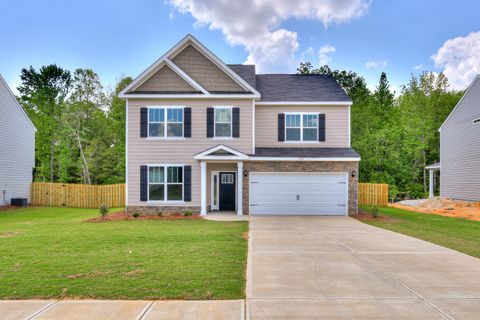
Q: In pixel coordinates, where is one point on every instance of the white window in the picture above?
(165, 122)
(223, 122)
(165, 183)
(227, 178)
(301, 127)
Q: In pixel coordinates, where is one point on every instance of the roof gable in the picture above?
(4, 84)
(220, 152)
(165, 80)
(475, 85)
(209, 63)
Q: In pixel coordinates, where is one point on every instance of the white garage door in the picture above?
(298, 194)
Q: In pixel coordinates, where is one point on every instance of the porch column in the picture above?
(240, 188)
(431, 182)
(203, 188)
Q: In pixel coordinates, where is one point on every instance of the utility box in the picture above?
(19, 202)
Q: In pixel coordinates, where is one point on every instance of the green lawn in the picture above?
(458, 234)
(50, 252)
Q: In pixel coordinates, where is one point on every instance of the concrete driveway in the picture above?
(340, 268)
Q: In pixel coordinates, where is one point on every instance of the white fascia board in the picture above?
(185, 76)
(188, 96)
(17, 103)
(459, 102)
(354, 159)
(304, 103)
(220, 158)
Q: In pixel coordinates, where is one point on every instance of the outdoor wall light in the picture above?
(245, 173)
(353, 173)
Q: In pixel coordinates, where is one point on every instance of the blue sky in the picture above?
(119, 37)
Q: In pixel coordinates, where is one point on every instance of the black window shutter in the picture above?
(143, 183)
(210, 122)
(236, 122)
(187, 122)
(143, 122)
(321, 127)
(281, 127)
(187, 183)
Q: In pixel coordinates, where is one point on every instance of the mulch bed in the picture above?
(364, 216)
(119, 216)
(6, 208)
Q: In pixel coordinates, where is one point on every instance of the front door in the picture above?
(227, 191)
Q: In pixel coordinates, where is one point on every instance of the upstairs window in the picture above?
(301, 127)
(165, 122)
(223, 122)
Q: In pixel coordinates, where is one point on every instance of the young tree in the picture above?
(43, 94)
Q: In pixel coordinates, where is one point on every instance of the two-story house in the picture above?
(205, 136)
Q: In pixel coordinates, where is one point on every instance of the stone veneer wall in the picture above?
(165, 210)
(305, 166)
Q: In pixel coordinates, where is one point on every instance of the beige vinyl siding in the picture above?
(460, 149)
(17, 149)
(143, 151)
(202, 70)
(165, 79)
(336, 122)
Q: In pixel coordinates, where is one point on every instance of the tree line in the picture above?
(81, 126)
(397, 137)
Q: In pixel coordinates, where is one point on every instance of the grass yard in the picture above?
(455, 233)
(51, 253)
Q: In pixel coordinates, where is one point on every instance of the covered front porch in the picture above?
(221, 180)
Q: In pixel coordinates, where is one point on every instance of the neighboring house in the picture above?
(17, 147)
(205, 136)
(459, 149)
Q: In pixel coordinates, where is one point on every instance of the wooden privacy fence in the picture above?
(372, 194)
(77, 195)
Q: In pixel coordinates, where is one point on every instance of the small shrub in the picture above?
(160, 214)
(188, 213)
(103, 211)
(136, 214)
(374, 211)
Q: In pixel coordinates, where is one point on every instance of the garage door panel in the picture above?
(302, 194)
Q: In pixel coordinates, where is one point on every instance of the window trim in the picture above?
(165, 183)
(165, 122)
(230, 137)
(301, 114)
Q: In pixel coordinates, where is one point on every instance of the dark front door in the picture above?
(227, 191)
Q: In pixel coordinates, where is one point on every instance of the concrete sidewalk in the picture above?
(120, 310)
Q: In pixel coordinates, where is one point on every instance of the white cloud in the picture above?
(324, 54)
(375, 64)
(460, 59)
(418, 67)
(255, 24)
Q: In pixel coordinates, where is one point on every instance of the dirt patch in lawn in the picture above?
(119, 216)
(446, 207)
(365, 216)
(9, 234)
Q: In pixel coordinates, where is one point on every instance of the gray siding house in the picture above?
(17, 147)
(460, 148)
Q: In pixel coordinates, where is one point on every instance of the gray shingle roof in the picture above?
(296, 87)
(306, 152)
(245, 71)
